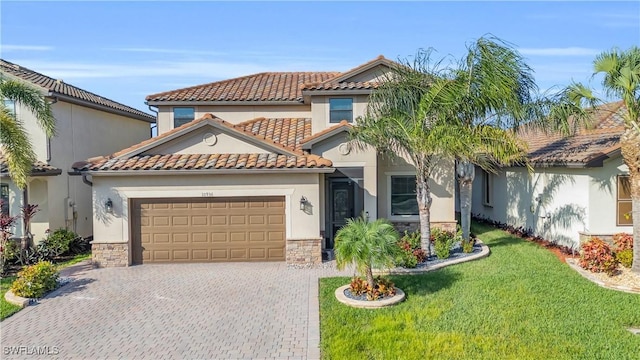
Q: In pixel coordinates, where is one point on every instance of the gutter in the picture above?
(326, 170)
(155, 124)
(240, 103)
(104, 108)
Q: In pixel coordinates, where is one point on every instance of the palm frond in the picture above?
(32, 99)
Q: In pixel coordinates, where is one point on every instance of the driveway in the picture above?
(180, 311)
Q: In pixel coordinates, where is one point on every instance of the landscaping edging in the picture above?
(586, 274)
(375, 304)
(16, 300)
(400, 271)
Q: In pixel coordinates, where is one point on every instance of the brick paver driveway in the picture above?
(181, 311)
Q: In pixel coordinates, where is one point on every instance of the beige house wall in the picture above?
(320, 109)
(376, 74)
(115, 228)
(234, 113)
(442, 190)
(603, 198)
(207, 140)
(81, 133)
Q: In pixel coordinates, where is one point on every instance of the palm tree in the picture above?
(621, 79)
(398, 123)
(14, 140)
(367, 245)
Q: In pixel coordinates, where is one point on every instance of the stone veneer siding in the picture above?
(110, 255)
(304, 251)
(415, 226)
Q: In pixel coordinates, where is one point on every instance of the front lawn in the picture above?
(519, 303)
(6, 309)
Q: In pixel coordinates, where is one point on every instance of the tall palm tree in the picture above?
(14, 140)
(621, 79)
(367, 245)
(399, 122)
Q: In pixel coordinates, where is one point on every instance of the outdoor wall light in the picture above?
(108, 206)
(303, 203)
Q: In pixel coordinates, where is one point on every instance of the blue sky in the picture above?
(127, 50)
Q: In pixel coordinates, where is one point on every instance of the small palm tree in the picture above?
(367, 245)
(14, 139)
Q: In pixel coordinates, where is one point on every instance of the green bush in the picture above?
(58, 242)
(36, 280)
(10, 251)
(625, 257)
(467, 246)
(443, 241)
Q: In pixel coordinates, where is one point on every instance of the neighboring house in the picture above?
(579, 187)
(86, 125)
(254, 168)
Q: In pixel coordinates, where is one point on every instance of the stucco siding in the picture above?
(553, 202)
(115, 228)
(602, 198)
(195, 143)
(320, 110)
(441, 183)
(376, 74)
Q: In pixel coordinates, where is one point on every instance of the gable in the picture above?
(375, 74)
(208, 140)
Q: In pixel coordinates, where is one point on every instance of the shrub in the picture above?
(410, 251)
(596, 256)
(412, 238)
(443, 241)
(58, 242)
(358, 286)
(467, 246)
(36, 280)
(625, 257)
(623, 241)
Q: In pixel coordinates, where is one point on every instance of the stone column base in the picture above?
(110, 255)
(304, 251)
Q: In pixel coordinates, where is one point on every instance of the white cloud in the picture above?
(6, 47)
(566, 51)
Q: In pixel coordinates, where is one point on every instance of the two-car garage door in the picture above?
(208, 229)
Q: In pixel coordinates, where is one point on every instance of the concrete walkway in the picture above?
(177, 311)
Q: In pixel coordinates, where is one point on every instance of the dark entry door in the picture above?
(341, 206)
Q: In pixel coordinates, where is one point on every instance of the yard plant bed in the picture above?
(519, 303)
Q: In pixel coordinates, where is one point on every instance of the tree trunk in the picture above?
(423, 194)
(370, 280)
(631, 154)
(466, 173)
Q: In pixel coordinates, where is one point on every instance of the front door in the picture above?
(341, 206)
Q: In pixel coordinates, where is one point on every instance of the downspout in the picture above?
(154, 126)
(85, 180)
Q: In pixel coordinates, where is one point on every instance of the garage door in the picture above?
(208, 229)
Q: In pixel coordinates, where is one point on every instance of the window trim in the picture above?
(173, 114)
(329, 109)
(389, 175)
(619, 201)
(487, 189)
(8, 204)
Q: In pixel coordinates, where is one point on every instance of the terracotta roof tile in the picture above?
(367, 85)
(584, 146)
(59, 87)
(38, 168)
(269, 86)
(287, 132)
(186, 162)
(341, 124)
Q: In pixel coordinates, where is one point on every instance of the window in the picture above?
(624, 201)
(4, 199)
(183, 115)
(340, 109)
(11, 106)
(403, 196)
(487, 188)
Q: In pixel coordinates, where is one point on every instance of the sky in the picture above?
(127, 50)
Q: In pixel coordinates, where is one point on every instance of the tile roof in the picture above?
(58, 87)
(288, 132)
(367, 85)
(585, 146)
(344, 124)
(268, 86)
(182, 162)
(38, 168)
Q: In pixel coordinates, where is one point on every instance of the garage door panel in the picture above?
(208, 229)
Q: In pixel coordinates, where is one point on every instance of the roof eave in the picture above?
(218, 102)
(337, 92)
(73, 100)
(314, 170)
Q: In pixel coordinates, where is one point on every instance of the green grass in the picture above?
(519, 303)
(6, 309)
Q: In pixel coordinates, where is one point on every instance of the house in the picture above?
(579, 187)
(255, 168)
(86, 125)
